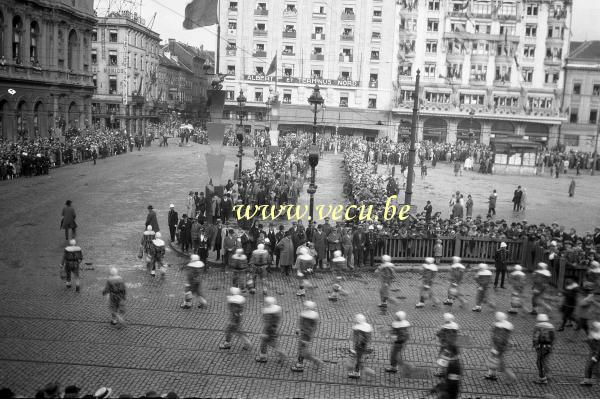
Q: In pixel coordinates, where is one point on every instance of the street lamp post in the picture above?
(413, 139)
(315, 100)
(471, 114)
(241, 100)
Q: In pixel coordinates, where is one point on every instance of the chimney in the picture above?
(171, 46)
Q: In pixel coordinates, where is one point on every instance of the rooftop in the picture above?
(588, 50)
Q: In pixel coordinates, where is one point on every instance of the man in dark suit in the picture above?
(246, 244)
(359, 240)
(371, 245)
(226, 207)
(152, 220)
(278, 237)
(517, 196)
(173, 219)
(185, 233)
(310, 231)
(501, 259)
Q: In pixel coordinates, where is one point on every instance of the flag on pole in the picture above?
(201, 13)
(273, 66)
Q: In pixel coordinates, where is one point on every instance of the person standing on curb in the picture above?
(152, 220)
(501, 258)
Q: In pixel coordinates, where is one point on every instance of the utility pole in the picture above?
(413, 139)
(595, 163)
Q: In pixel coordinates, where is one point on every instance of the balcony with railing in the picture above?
(289, 34)
(259, 53)
(317, 57)
(232, 10)
(290, 13)
(231, 51)
(319, 15)
(260, 32)
(348, 16)
(261, 12)
(347, 37)
(377, 18)
(288, 53)
(346, 58)
(318, 36)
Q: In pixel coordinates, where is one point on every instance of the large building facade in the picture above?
(489, 68)
(347, 47)
(45, 72)
(125, 56)
(582, 97)
(175, 84)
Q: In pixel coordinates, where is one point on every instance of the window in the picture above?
(483, 28)
(503, 73)
(232, 25)
(233, 5)
(434, 97)
(433, 5)
(458, 27)
(94, 35)
(94, 57)
(262, 6)
(478, 72)
(373, 78)
(260, 27)
(113, 36)
(504, 101)
(577, 88)
(135, 61)
(376, 35)
(112, 84)
(318, 50)
(454, 71)
(319, 9)
(574, 117)
(481, 48)
(316, 73)
(408, 24)
(540, 102)
(507, 30)
(17, 39)
(596, 90)
(431, 46)
(571, 140)
(343, 100)
(288, 50)
(259, 47)
(405, 70)
(472, 99)
(529, 51)
(290, 8)
(318, 30)
(288, 70)
(258, 95)
(289, 29)
(530, 30)
(430, 70)
(375, 55)
(287, 96)
(349, 11)
(504, 50)
(231, 70)
(230, 94)
(346, 75)
(95, 81)
(112, 58)
(33, 43)
(532, 9)
(260, 70)
(372, 102)
(552, 76)
(432, 25)
(594, 116)
(527, 74)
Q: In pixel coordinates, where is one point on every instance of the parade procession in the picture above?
(300, 199)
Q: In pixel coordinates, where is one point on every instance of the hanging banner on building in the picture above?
(214, 166)
(215, 132)
(274, 137)
(303, 81)
(216, 103)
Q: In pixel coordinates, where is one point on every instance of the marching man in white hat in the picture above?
(194, 272)
(516, 280)
(540, 280)
(361, 336)
(386, 275)
(483, 280)
(400, 335)
(427, 276)
(117, 293)
(239, 263)
(447, 335)
(500, 338)
(271, 320)
(158, 254)
(457, 272)
(307, 325)
(594, 357)
(304, 266)
(259, 261)
(543, 341)
(71, 262)
(146, 245)
(236, 303)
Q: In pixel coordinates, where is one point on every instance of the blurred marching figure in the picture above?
(540, 281)
(428, 276)
(115, 288)
(483, 280)
(259, 261)
(271, 320)
(304, 267)
(543, 341)
(194, 271)
(500, 338)
(236, 303)
(71, 264)
(457, 271)
(158, 254)
(516, 279)
(307, 325)
(361, 336)
(386, 275)
(146, 246)
(447, 335)
(399, 332)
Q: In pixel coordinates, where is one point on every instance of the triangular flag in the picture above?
(273, 66)
(201, 13)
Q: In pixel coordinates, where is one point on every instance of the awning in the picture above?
(347, 117)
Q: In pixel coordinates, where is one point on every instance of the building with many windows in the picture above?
(175, 83)
(582, 97)
(346, 47)
(489, 68)
(125, 56)
(45, 73)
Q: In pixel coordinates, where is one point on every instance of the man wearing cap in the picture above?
(427, 278)
(543, 341)
(259, 261)
(307, 325)
(71, 262)
(400, 335)
(516, 280)
(117, 293)
(146, 245)
(371, 241)
(483, 280)
(500, 338)
(361, 336)
(194, 271)
(173, 219)
(236, 303)
(151, 219)
(501, 258)
(447, 336)
(158, 254)
(271, 319)
(540, 281)
(457, 272)
(359, 241)
(320, 242)
(386, 275)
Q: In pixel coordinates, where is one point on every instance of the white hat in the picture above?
(429, 260)
(542, 317)
(518, 268)
(360, 318)
(483, 266)
(542, 266)
(239, 251)
(235, 291)
(260, 246)
(310, 305)
(553, 243)
(72, 242)
(502, 245)
(303, 250)
(103, 393)
(386, 258)
(149, 227)
(194, 258)
(114, 271)
(337, 253)
(171, 206)
(158, 235)
(371, 227)
(270, 300)
(500, 316)
(448, 317)
(456, 259)
(400, 315)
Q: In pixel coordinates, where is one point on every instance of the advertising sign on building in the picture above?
(303, 81)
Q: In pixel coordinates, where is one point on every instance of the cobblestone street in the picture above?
(49, 333)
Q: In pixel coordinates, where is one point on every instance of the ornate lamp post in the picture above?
(241, 100)
(315, 100)
(471, 114)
